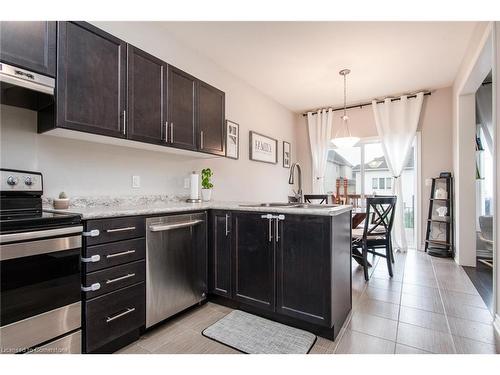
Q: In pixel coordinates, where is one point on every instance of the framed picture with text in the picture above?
(263, 148)
(232, 140)
(287, 154)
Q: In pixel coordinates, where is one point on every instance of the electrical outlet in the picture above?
(136, 182)
(428, 182)
(187, 183)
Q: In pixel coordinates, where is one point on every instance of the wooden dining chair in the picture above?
(322, 198)
(376, 233)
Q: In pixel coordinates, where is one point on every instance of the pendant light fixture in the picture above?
(343, 137)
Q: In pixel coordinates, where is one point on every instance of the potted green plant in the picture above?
(206, 185)
(62, 202)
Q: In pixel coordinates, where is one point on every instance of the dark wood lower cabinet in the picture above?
(113, 315)
(295, 269)
(303, 263)
(113, 281)
(220, 254)
(253, 264)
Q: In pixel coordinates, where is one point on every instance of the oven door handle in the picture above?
(25, 236)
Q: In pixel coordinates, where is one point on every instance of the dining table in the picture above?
(358, 216)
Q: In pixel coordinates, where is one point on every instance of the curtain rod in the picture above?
(366, 104)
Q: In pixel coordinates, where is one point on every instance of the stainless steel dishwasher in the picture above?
(176, 264)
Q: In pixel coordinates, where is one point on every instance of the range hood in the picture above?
(22, 88)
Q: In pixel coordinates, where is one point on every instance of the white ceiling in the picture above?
(297, 63)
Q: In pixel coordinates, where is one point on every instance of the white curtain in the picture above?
(397, 123)
(484, 104)
(320, 131)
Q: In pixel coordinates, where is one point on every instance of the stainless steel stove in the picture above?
(40, 299)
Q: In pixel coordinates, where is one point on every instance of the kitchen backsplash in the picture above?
(87, 169)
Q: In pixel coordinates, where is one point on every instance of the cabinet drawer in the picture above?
(114, 315)
(114, 254)
(114, 278)
(115, 229)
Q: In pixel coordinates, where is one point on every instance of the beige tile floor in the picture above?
(429, 306)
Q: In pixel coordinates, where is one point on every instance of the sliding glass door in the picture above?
(363, 170)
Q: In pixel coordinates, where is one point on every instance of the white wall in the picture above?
(84, 168)
(475, 66)
(436, 132)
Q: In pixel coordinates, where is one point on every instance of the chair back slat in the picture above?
(379, 215)
(323, 198)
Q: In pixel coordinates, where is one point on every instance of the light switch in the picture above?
(186, 183)
(136, 182)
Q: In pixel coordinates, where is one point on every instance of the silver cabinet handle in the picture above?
(91, 259)
(270, 218)
(119, 229)
(164, 227)
(227, 228)
(201, 139)
(126, 312)
(122, 253)
(277, 226)
(166, 131)
(92, 233)
(124, 122)
(276, 229)
(128, 276)
(171, 132)
(92, 288)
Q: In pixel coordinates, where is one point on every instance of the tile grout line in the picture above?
(444, 307)
(400, 301)
(349, 318)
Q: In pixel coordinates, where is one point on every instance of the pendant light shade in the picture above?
(343, 137)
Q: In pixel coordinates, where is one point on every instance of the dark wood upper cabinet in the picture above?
(220, 254)
(91, 80)
(303, 268)
(147, 97)
(29, 45)
(181, 109)
(253, 277)
(211, 115)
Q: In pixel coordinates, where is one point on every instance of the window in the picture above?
(341, 170)
(388, 183)
(381, 183)
(374, 183)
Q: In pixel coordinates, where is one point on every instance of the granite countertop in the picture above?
(90, 208)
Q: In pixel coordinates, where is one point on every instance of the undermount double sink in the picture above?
(289, 205)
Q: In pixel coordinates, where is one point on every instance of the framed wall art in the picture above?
(232, 140)
(263, 148)
(287, 154)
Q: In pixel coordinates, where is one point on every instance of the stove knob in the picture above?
(11, 180)
(28, 181)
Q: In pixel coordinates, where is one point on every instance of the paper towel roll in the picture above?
(195, 178)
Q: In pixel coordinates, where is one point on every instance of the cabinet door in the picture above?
(90, 92)
(29, 45)
(181, 109)
(253, 276)
(303, 268)
(146, 90)
(211, 119)
(220, 255)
